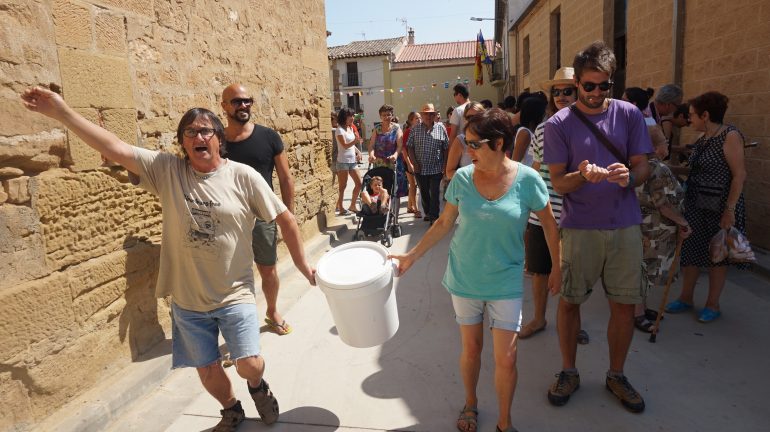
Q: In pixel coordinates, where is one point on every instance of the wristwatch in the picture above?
(730, 207)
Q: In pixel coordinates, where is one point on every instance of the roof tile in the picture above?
(366, 48)
(442, 51)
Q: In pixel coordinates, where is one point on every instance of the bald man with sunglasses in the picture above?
(262, 149)
(596, 152)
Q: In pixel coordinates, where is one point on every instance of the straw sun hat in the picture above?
(428, 108)
(565, 75)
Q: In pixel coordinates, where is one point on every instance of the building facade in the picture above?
(701, 45)
(424, 73)
(359, 76)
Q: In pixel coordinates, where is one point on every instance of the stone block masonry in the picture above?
(79, 245)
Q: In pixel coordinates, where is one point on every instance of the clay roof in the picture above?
(442, 51)
(366, 48)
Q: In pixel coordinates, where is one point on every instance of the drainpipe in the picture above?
(515, 86)
(677, 40)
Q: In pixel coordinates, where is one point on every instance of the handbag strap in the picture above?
(600, 135)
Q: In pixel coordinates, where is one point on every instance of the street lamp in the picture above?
(482, 19)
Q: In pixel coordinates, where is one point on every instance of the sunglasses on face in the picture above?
(569, 91)
(603, 86)
(205, 133)
(242, 101)
(475, 145)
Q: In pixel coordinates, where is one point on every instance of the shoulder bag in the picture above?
(600, 135)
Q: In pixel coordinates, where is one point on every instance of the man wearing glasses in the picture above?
(209, 207)
(262, 149)
(596, 152)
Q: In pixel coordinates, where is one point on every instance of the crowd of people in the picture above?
(557, 172)
(562, 171)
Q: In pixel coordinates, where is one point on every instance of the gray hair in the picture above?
(669, 93)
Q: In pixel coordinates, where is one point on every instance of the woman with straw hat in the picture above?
(562, 92)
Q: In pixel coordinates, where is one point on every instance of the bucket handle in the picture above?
(394, 263)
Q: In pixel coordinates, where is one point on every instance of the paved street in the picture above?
(697, 377)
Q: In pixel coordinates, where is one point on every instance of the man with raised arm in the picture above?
(209, 208)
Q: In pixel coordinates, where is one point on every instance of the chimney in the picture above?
(410, 40)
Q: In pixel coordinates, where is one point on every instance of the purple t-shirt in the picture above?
(568, 141)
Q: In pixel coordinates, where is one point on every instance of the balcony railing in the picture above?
(352, 80)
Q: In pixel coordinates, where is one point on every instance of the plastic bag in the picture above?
(718, 247)
(739, 249)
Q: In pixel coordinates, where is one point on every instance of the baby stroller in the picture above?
(383, 225)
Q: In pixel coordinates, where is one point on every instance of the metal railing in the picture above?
(352, 79)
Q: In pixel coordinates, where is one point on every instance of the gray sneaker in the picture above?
(267, 405)
(562, 389)
(622, 389)
(231, 418)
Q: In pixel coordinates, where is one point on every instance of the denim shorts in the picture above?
(344, 166)
(195, 335)
(503, 314)
(264, 240)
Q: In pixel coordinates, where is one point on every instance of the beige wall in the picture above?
(649, 44)
(439, 96)
(582, 22)
(78, 244)
(727, 50)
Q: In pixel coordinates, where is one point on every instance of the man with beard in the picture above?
(262, 149)
(600, 220)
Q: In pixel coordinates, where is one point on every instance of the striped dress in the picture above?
(536, 150)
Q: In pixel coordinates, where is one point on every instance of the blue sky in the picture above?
(433, 21)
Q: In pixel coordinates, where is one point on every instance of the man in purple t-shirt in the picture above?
(601, 238)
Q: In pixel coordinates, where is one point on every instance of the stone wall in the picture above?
(78, 244)
(582, 22)
(649, 44)
(726, 48)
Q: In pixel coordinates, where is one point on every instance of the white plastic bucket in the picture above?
(357, 279)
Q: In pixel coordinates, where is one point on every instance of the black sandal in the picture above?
(642, 323)
(469, 415)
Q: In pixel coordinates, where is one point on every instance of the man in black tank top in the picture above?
(262, 149)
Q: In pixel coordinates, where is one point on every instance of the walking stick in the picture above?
(671, 271)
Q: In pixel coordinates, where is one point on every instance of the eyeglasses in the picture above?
(205, 133)
(569, 91)
(236, 102)
(603, 86)
(475, 145)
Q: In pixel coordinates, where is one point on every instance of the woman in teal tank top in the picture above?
(484, 272)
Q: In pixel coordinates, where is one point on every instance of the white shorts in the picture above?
(503, 314)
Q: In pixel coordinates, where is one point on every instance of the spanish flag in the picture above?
(482, 56)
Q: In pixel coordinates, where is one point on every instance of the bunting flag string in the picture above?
(368, 91)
